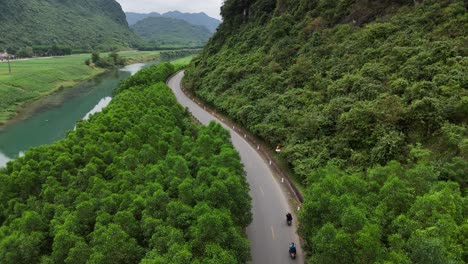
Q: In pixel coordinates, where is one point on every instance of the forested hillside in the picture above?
(170, 31)
(200, 19)
(369, 101)
(140, 182)
(133, 18)
(82, 24)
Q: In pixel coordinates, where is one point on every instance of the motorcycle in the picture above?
(292, 251)
(288, 219)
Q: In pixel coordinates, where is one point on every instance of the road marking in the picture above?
(273, 233)
(263, 193)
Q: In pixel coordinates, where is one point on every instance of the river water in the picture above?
(48, 119)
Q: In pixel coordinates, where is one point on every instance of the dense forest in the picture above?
(170, 31)
(140, 182)
(82, 25)
(369, 101)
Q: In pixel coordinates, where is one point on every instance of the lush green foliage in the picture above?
(139, 182)
(112, 61)
(353, 85)
(88, 25)
(171, 31)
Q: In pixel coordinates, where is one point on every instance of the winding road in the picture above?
(268, 233)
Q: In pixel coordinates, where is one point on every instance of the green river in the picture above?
(48, 119)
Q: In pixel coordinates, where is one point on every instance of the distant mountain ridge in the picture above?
(171, 31)
(133, 18)
(200, 19)
(90, 24)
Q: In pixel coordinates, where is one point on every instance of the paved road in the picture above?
(268, 233)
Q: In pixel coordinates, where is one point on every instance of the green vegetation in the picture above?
(34, 78)
(182, 62)
(175, 54)
(159, 31)
(369, 101)
(140, 182)
(112, 61)
(139, 56)
(84, 25)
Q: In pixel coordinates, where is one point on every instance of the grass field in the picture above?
(34, 78)
(183, 61)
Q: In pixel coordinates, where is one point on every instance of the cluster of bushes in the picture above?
(140, 182)
(355, 92)
(113, 60)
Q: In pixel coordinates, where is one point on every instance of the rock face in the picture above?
(80, 24)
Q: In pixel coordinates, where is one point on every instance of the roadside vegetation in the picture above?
(369, 102)
(140, 182)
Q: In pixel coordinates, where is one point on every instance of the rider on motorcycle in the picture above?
(292, 248)
(288, 217)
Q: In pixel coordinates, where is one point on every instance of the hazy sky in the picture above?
(210, 7)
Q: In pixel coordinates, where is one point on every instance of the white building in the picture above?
(3, 55)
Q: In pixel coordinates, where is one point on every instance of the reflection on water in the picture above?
(3, 160)
(134, 68)
(48, 119)
(98, 108)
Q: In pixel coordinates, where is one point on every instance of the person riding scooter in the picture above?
(289, 218)
(292, 250)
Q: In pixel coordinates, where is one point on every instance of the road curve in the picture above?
(268, 233)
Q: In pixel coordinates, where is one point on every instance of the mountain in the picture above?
(85, 24)
(369, 102)
(171, 31)
(133, 18)
(200, 19)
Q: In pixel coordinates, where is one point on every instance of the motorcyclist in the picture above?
(289, 217)
(292, 248)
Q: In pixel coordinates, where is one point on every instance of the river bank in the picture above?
(33, 79)
(47, 120)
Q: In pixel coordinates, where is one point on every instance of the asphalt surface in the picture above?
(268, 233)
